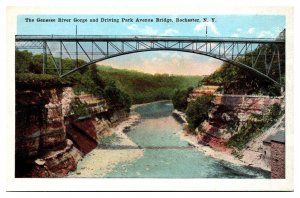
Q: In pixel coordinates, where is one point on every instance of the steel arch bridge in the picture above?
(264, 57)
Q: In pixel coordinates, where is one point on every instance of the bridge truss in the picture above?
(264, 57)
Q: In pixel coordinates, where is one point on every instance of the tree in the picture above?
(197, 111)
(36, 65)
(116, 98)
(180, 97)
(236, 80)
(97, 77)
(241, 81)
(23, 60)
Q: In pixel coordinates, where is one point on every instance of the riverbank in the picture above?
(102, 160)
(225, 154)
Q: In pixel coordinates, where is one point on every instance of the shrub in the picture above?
(255, 126)
(116, 98)
(179, 99)
(79, 108)
(197, 111)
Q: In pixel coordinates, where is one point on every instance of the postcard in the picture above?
(151, 100)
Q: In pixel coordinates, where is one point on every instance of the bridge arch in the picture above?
(224, 59)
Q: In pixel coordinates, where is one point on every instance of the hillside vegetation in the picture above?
(236, 80)
(107, 82)
(142, 87)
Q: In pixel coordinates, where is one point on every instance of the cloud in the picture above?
(132, 27)
(277, 29)
(210, 26)
(235, 35)
(269, 33)
(250, 30)
(266, 34)
(147, 30)
(170, 32)
(240, 32)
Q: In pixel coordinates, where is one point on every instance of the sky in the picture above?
(179, 63)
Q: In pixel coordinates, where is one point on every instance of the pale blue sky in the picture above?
(250, 26)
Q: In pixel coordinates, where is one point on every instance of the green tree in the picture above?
(236, 80)
(36, 65)
(197, 111)
(23, 60)
(180, 97)
(116, 98)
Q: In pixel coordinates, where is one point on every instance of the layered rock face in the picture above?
(86, 132)
(245, 105)
(50, 140)
(57, 163)
(232, 109)
(40, 130)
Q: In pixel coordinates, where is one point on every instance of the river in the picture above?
(166, 156)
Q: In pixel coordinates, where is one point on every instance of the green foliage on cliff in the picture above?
(238, 80)
(117, 99)
(142, 87)
(255, 126)
(41, 80)
(180, 97)
(88, 80)
(23, 61)
(36, 77)
(197, 111)
(79, 108)
(27, 62)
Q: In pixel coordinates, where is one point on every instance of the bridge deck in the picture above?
(143, 38)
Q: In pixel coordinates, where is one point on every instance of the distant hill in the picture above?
(143, 87)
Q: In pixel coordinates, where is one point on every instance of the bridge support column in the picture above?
(60, 58)
(44, 57)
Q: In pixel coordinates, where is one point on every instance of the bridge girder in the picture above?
(261, 56)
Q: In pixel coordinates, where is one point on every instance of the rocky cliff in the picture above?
(86, 131)
(229, 114)
(41, 147)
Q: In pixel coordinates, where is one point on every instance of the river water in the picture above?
(166, 156)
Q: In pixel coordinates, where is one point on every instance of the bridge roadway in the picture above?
(143, 38)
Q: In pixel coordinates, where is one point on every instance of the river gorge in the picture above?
(158, 152)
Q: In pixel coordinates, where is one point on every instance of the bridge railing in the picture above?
(145, 37)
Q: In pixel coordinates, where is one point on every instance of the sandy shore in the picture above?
(101, 161)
